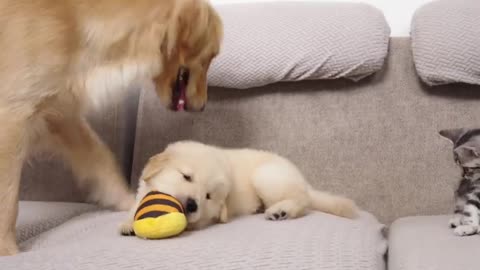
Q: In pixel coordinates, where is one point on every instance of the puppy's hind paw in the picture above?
(282, 210)
(278, 215)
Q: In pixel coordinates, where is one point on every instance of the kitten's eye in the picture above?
(187, 178)
(208, 196)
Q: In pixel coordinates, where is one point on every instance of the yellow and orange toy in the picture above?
(158, 216)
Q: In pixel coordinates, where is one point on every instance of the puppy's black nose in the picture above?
(191, 206)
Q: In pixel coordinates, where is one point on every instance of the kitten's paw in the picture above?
(455, 222)
(465, 230)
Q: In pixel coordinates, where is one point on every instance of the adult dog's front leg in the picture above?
(13, 140)
(92, 162)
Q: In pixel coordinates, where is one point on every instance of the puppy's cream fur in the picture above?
(60, 58)
(238, 182)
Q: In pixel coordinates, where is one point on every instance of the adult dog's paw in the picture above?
(8, 248)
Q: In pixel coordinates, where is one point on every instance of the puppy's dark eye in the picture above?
(208, 196)
(187, 178)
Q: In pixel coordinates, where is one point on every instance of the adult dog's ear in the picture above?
(154, 165)
(188, 25)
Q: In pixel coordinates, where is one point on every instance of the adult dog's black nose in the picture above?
(191, 206)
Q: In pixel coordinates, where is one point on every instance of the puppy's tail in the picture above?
(333, 204)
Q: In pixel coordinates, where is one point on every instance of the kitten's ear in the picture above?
(452, 134)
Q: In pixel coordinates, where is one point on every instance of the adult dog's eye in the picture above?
(208, 196)
(187, 178)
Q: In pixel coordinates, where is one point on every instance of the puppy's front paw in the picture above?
(126, 229)
(465, 230)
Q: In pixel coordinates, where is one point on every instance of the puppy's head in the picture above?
(197, 175)
(192, 39)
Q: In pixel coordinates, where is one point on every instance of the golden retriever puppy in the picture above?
(216, 184)
(60, 58)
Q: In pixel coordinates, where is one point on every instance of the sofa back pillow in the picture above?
(446, 42)
(266, 43)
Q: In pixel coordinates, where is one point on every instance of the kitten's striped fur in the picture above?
(466, 151)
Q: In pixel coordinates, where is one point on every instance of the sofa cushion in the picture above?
(312, 242)
(35, 218)
(267, 42)
(427, 242)
(446, 42)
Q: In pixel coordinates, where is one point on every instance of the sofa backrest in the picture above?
(46, 178)
(376, 140)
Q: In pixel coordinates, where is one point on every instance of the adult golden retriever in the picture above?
(216, 184)
(60, 57)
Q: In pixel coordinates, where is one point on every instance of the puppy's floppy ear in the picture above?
(154, 165)
(452, 134)
(224, 214)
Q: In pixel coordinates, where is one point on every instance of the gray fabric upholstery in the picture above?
(316, 241)
(427, 242)
(35, 218)
(446, 42)
(45, 178)
(266, 43)
(375, 141)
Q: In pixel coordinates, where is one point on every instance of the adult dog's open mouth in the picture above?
(179, 91)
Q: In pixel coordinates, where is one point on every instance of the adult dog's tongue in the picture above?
(180, 106)
(179, 93)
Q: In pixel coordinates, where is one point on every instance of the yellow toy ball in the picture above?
(159, 216)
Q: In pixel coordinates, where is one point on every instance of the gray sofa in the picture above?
(374, 140)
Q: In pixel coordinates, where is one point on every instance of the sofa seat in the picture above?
(427, 243)
(316, 241)
(35, 218)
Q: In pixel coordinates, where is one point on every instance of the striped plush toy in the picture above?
(159, 215)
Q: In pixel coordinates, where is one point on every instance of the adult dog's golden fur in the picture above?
(58, 58)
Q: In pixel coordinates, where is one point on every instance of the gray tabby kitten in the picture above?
(466, 153)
